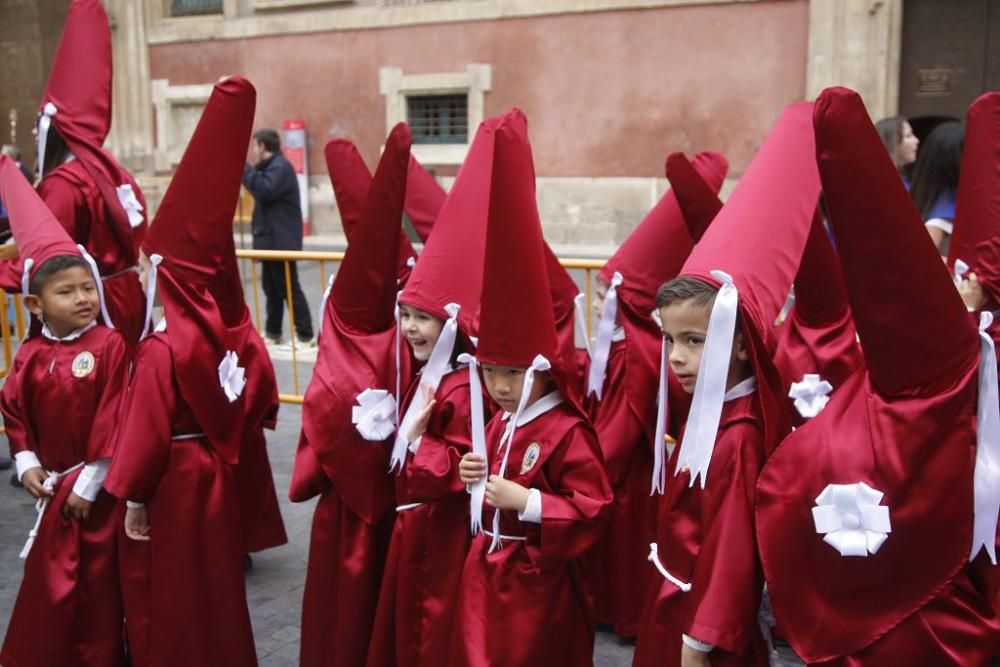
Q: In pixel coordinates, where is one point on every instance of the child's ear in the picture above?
(34, 304)
(741, 349)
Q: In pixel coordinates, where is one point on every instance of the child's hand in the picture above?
(692, 658)
(33, 480)
(505, 494)
(471, 468)
(419, 427)
(137, 524)
(972, 292)
(76, 507)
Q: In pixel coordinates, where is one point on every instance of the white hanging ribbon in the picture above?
(477, 491)
(987, 471)
(100, 285)
(438, 363)
(581, 319)
(605, 332)
(232, 377)
(25, 286)
(811, 394)
(713, 372)
(374, 415)
(399, 342)
(660, 456)
(960, 270)
(654, 558)
(851, 518)
(43, 134)
(128, 201)
(154, 261)
(42, 503)
(538, 364)
(322, 304)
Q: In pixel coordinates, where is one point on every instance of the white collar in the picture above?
(619, 335)
(71, 336)
(538, 408)
(741, 389)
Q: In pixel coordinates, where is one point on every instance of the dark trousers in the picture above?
(276, 293)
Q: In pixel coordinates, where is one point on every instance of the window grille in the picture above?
(438, 119)
(195, 7)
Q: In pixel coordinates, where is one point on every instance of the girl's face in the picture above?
(600, 292)
(908, 144)
(421, 330)
(145, 267)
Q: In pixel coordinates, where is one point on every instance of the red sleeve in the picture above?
(116, 361)
(144, 443)
(433, 471)
(727, 580)
(19, 436)
(574, 510)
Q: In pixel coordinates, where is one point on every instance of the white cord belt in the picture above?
(188, 436)
(409, 506)
(654, 558)
(517, 538)
(42, 503)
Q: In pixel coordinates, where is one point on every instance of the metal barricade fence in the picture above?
(249, 268)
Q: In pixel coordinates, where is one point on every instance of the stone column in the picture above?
(131, 138)
(857, 43)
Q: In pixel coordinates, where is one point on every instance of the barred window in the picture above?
(195, 7)
(438, 119)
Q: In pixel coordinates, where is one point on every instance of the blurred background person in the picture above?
(935, 180)
(900, 142)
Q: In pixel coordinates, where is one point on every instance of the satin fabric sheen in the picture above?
(69, 609)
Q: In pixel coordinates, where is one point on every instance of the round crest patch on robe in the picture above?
(531, 457)
(83, 364)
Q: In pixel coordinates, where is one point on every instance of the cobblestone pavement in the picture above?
(274, 586)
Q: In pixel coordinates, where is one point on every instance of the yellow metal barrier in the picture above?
(588, 266)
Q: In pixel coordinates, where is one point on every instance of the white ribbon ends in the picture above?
(713, 374)
(438, 363)
(477, 491)
(851, 519)
(375, 414)
(49, 484)
(986, 484)
(660, 454)
(811, 394)
(605, 332)
(128, 201)
(232, 377)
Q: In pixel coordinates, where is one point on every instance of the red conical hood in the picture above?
(198, 281)
(351, 182)
(37, 232)
(450, 268)
(424, 198)
(696, 188)
(820, 294)
(887, 257)
(977, 215)
(364, 291)
(517, 321)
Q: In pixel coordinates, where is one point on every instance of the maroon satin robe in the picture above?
(416, 607)
(527, 603)
(69, 609)
(184, 592)
(705, 537)
(263, 527)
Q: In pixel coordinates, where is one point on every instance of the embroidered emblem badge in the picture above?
(531, 457)
(83, 365)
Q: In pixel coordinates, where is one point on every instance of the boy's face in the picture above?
(69, 301)
(421, 330)
(145, 267)
(685, 326)
(600, 291)
(505, 384)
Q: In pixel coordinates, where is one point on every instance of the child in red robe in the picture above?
(348, 426)
(202, 382)
(416, 607)
(523, 599)
(717, 318)
(60, 407)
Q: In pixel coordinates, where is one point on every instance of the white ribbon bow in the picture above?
(713, 373)
(51, 478)
(851, 518)
(43, 134)
(437, 365)
(477, 491)
(375, 414)
(986, 485)
(811, 395)
(126, 197)
(605, 332)
(660, 455)
(231, 376)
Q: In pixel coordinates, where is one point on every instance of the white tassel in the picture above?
(51, 478)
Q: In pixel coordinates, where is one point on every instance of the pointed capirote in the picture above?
(889, 263)
(364, 291)
(424, 198)
(696, 188)
(820, 294)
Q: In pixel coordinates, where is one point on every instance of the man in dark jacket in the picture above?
(277, 225)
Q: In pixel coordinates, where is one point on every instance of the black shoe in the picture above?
(6, 463)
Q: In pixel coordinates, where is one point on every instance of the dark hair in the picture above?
(56, 150)
(890, 130)
(270, 139)
(937, 166)
(685, 288)
(50, 268)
